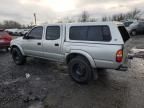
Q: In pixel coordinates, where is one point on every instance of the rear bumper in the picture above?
(126, 64)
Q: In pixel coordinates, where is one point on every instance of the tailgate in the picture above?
(125, 37)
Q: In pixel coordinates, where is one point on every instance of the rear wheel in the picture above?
(80, 70)
(17, 56)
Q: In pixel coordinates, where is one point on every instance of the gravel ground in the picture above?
(44, 84)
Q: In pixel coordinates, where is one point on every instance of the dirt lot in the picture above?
(44, 84)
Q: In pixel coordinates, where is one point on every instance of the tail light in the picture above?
(119, 56)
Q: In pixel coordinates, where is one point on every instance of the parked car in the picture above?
(25, 31)
(11, 31)
(128, 23)
(5, 39)
(84, 47)
(18, 32)
(136, 28)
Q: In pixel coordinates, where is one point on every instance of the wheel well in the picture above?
(14, 46)
(73, 55)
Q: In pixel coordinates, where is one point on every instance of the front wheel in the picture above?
(80, 70)
(17, 56)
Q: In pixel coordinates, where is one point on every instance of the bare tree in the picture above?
(11, 24)
(134, 14)
(84, 17)
(66, 20)
(104, 18)
(1, 26)
(92, 20)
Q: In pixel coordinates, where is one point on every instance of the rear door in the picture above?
(53, 42)
(125, 37)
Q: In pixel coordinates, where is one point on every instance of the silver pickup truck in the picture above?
(84, 47)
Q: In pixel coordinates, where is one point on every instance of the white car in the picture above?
(11, 31)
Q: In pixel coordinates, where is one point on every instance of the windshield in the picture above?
(134, 24)
(127, 24)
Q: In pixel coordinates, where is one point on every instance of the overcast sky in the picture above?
(54, 10)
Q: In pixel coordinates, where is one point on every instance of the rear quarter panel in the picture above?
(104, 56)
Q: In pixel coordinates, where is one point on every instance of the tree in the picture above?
(66, 20)
(104, 18)
(134, 14)
(84, 17)
(92, 20)
(1, 26)
(11, 24)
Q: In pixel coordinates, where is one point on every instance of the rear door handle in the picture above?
(38, 43)
(56, 44)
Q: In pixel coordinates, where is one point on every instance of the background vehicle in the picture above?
(11, 31)
(84, 47)
(5, 39)
(18, 32)
(25, 31)
(128, 23)
(136, 28)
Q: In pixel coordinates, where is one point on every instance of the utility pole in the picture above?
(35, 19)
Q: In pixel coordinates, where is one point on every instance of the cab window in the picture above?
(36, 33)
(52, 33)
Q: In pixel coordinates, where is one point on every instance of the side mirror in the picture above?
(25, 36)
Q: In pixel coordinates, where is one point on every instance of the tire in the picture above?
(80, 70)
(133, 33)
(17, 56)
